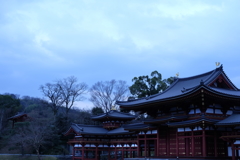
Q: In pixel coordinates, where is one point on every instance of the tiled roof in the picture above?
(89, 129)
(120, 130)
(114, 115)
(184, 86)
(96, 130)
(232, 120)
(203, 119)
(139, 126)
(167, 119)
(17, 116)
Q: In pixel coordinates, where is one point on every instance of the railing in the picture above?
(111, 125)
(106, 141)
(230, 133)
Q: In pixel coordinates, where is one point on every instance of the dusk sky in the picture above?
(99, 40)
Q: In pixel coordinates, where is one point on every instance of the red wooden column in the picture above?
(215, 143)
(233, 152)
(109, 149)
(204, 142)
(115, 145)
(96, 151)
(73, 152)
(138, 146)
(177, 145)
(168, 142)
(145, 144)
(237, 152)
(82, 151)
(130, 150)
(122, 151)
(192, 141)
(158, 137)
(187, 146)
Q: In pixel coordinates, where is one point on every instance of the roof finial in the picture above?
(177, 74)
(217, 64)
(113, 108)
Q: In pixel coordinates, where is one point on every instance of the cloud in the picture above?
(103, 40)
(176, 10)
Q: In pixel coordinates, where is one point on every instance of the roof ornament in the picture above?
(184, 89)
(217, 64)
(177, 74)
(202, 82)
(113, 108)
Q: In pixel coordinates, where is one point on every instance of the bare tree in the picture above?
(105, 94)
(64, 93)
(35, 134)
(53, 92)
(71, 91)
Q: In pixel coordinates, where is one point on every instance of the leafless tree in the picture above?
(64, 93)
(71, 91)
(105, 94)
(35, 133)
(53, 93)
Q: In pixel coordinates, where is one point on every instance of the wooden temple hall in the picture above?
(197, 117)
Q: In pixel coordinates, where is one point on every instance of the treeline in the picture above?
(42, 132)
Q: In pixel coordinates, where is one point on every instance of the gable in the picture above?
(221, 82)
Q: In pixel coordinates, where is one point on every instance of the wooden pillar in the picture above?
(204, 154)
(192, 141)
(215, 143)
(131, 155)
(138, 146)
(109, 149)
(115, 151)
(145, 144)
(96, 152)
(122, 151)
(237, 152)
(177, 144)
(157, 146)
(73, 152)
(187, 146)
(168, 142)
(82, 151)
(233, 152)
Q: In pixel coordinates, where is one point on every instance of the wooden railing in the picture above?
(134, 140)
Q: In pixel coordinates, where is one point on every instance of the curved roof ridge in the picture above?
(199, 75)
(186, 78)
(169, 87)
(229, 79)
(220, 71)
(129, 114)
(210, 76)
(154, 95)
(85, 125)
(114, 113)
(220, 91)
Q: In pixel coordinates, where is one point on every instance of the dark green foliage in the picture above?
(41, 122)
(81, 116)
(30, 103)
(97, 110)
(144, 86)
(9, 105)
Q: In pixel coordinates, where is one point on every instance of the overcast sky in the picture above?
(42, 41)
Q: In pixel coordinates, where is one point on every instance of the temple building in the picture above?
(196, 117)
